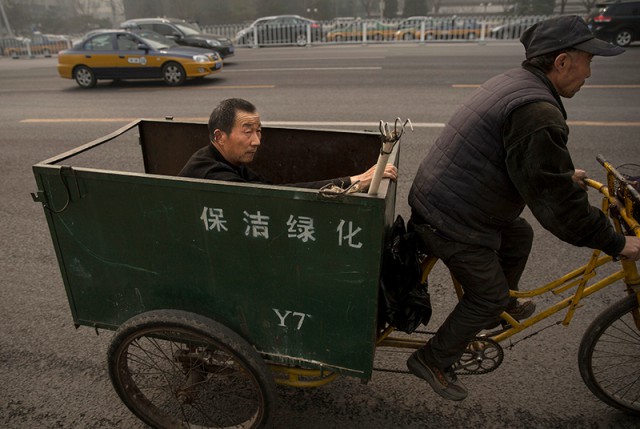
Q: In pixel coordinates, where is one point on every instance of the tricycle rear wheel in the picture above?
(609, 356)
(178, 369)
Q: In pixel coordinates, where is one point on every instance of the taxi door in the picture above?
(134, 62)
(98, 54)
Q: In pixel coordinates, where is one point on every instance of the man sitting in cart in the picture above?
(235, 132)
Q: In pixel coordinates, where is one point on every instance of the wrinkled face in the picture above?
(240, 146)
(572, 70)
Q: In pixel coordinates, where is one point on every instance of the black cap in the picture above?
(564, 32)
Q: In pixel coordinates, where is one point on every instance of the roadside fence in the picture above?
(413, 29)
(304, 32)
(24, 47)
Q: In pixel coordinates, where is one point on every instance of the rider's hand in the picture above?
(631, 248)
(390, 172)
(579, 176)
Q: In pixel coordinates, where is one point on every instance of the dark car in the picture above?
(134, 54)
(183, 33)
(617, 22)
(280, 30)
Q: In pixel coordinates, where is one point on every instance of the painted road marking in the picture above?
(373, 125)
(302, 69)
(475, 85)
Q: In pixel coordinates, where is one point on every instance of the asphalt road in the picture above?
(54, 376)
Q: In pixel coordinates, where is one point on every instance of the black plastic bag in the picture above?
(404, 301)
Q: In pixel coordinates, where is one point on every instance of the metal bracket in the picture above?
(41, 196)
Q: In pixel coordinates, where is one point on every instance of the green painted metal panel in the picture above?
(292, 271)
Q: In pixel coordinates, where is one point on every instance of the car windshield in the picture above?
(261, 21)
(188, 29)
(416, 23)
(156, 41)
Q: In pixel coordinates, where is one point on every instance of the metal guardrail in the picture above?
(408, 30)
(16, 48)
(414, 29)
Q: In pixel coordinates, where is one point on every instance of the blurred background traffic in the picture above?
(44, 27)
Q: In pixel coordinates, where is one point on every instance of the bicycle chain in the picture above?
(482, 356)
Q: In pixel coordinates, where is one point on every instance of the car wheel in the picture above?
(623, 38)
(173, 74)
(84, 77)
(301, 39)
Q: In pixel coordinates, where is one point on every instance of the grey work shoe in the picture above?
(443, 381)
(523, 309)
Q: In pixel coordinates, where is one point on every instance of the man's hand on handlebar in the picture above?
(579, 176)
(631, 248)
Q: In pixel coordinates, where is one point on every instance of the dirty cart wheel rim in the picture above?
(177, 369)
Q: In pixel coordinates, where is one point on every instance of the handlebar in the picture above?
(621, 195)
(610, 169)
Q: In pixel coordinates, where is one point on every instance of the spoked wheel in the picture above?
(250, 41)
(609, 356)
(173, 74)
(623, 38)
(84, 77)
(481, 356)
(175, 369)
(301, 40)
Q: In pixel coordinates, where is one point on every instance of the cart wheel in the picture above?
(609, 356)
(177, 369)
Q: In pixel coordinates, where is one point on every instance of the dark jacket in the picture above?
(504, 149)
(208, 163)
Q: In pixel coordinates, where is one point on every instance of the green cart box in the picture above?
(293, 271)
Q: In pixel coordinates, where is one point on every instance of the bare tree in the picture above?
(563, 5)
(370, 6)
(85, 7)
(589, 4)
(435, 4)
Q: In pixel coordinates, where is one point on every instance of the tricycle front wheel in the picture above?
(177, 369)
(609, 356)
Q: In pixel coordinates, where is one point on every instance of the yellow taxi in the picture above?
(138, 54)
(455, 28)
(356, 31)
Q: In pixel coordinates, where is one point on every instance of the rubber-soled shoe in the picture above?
(522, 310)
(443, 381)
